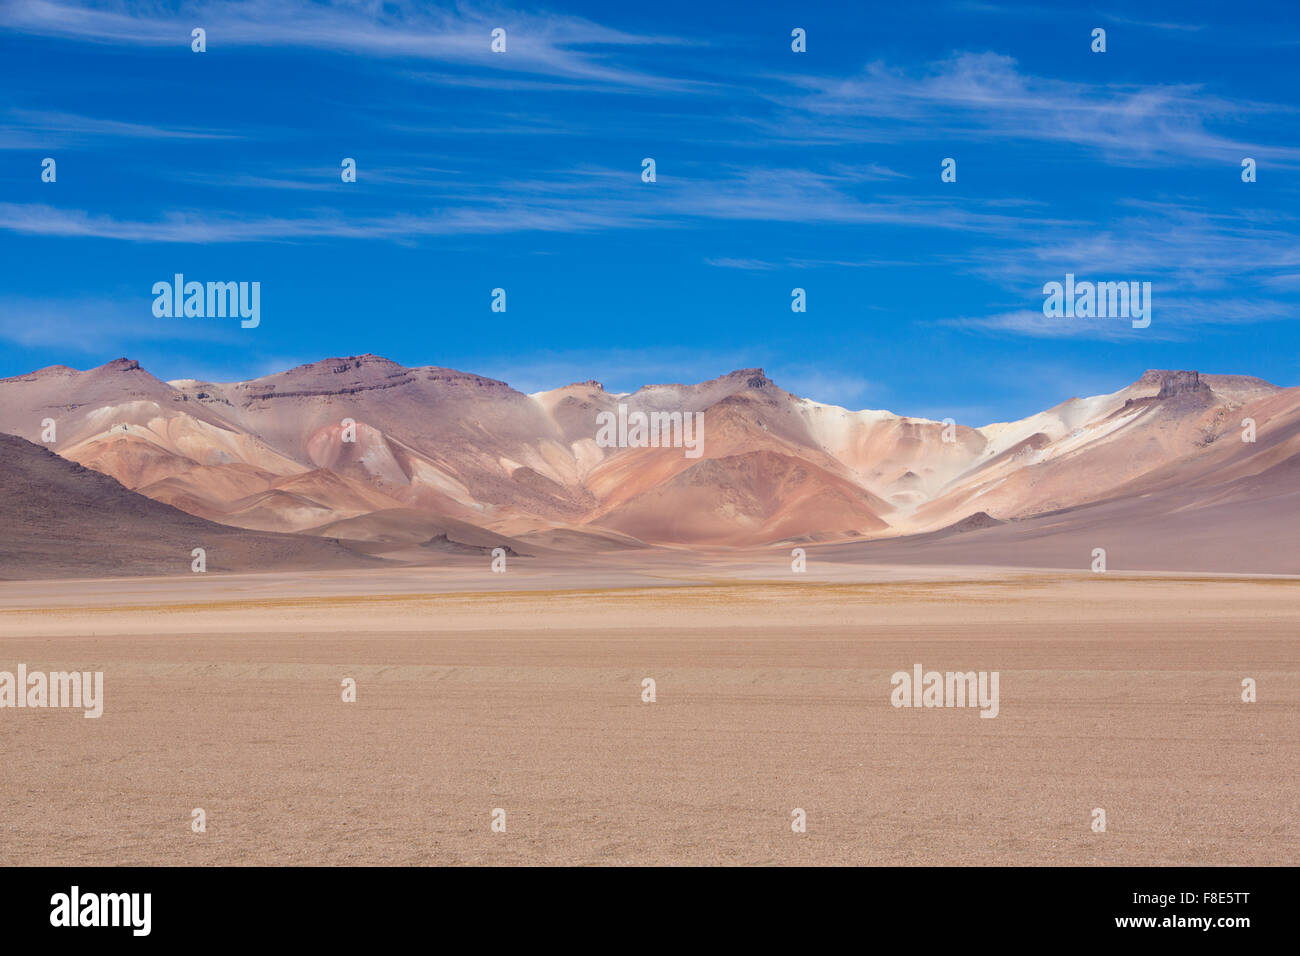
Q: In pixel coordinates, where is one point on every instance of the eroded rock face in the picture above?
(1173, 383)
(1181, 383)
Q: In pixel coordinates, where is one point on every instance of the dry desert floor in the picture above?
(523, 692)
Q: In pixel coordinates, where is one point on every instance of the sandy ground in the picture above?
(523, 691)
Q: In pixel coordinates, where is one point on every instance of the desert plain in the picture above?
(523, 691)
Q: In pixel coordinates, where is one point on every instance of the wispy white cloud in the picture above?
(1208, 267)
(96, 325)
(986, 94)
(790, 262)
(1025, 11)
(187, 227)
(1032, 322)
(580, 201)
(1174, 317)
(538, 43)
(1178, 245)
(1157, 24)
(746, 265)
(414, 177)
(50, 128)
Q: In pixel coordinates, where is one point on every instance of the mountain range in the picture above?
(394, 463)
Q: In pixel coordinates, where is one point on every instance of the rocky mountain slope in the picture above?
(59, 519)
(362, 447)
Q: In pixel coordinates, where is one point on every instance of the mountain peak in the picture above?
(752, 377)
(121, 365)
(1173, 382)
(338, 365)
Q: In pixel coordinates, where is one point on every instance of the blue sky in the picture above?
(775, 169)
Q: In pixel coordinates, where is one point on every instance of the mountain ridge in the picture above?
(328, 443)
